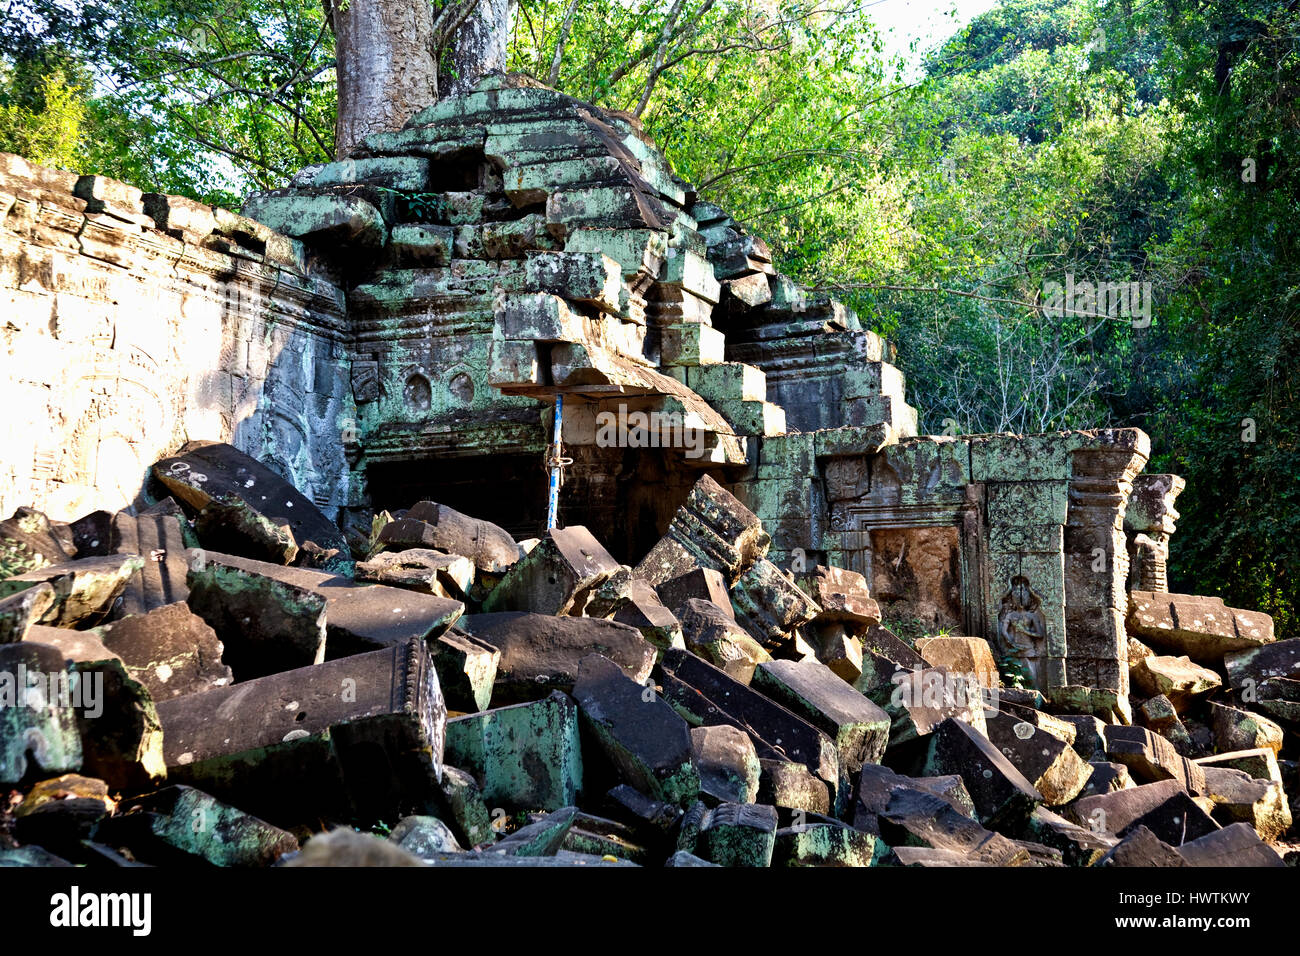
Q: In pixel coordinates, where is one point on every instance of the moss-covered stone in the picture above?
(526, 756)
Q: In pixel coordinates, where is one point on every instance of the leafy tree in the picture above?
(42, 116)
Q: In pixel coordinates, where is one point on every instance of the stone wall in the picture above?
(133, 323)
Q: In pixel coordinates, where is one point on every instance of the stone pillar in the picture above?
(1149, 524)
(1104, 464)
(1025, 482)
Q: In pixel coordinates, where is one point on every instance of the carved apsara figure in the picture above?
(1022, 629)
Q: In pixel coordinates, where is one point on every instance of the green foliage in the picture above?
(43, 118)
(910, 629)
(1014, 673)
(208, 98)
(1227, 373)
(421, 207)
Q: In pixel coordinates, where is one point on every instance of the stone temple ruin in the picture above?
(743, 484)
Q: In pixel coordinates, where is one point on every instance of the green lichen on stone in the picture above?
(525, 756)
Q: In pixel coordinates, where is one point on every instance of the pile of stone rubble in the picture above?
(223, 678)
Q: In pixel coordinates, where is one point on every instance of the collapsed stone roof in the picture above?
(519, 242)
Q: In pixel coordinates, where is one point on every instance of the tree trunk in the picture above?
(386, 70)
(478, 47)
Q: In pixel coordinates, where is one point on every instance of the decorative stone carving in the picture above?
(1149, 524)
(418, 393)
(1022, 629)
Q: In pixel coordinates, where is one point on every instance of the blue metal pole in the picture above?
(553, 502)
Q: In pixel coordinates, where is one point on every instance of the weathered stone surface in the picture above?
(1177, 820)
(837, 649)
(526, 756)
(641, 735)
(1175, 677)
(180, 358)
(1046, 761)
(61, 812)
(555, 577)
(448, 576)
(626, 599)
(541, 653)
(921, 700)
(433, 526)
(1259, 762)
(961, 655)
(1089, 735)
(159, 537)
(357, 617)
(1141, 847)
(876, 785)
(30, 856)
(1258, 664)
(564, 859)
(599, 837)
(711, 530)
(823, 844)
(202, 472)
(346, 847)
(859, 729)
(266, 624)
(684, 859)
(712, 633)
(928, 857)
(739, 834)
(170, 650)
(424, 836)
(1241, 798)
(653, 822)
(73, 645)
(1106, 776)
(883, 656)
(727, 764)
(1001, 794)
(913, 816)
(180, 824)
(769, 605)
(121, 736)
(351, 737)
(1079, 846)
(467, 668)
(461, 802)
(38, 724)
(784, 783)
(28, 543)
(325, 217)
(1279, 697)
(1237, 729)
(1235, 845)
(1158, 713)
(710, 697)
(84, 589)
(20, 611)
(1151, 758)
(227, 523)
(544, 836)
(841, 594)
(703, 584)
(1203, 628)
(1165, 808)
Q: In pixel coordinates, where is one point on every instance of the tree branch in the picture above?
(553, 76)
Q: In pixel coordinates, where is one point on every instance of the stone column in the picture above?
(1149, 524)
(1104, 464)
